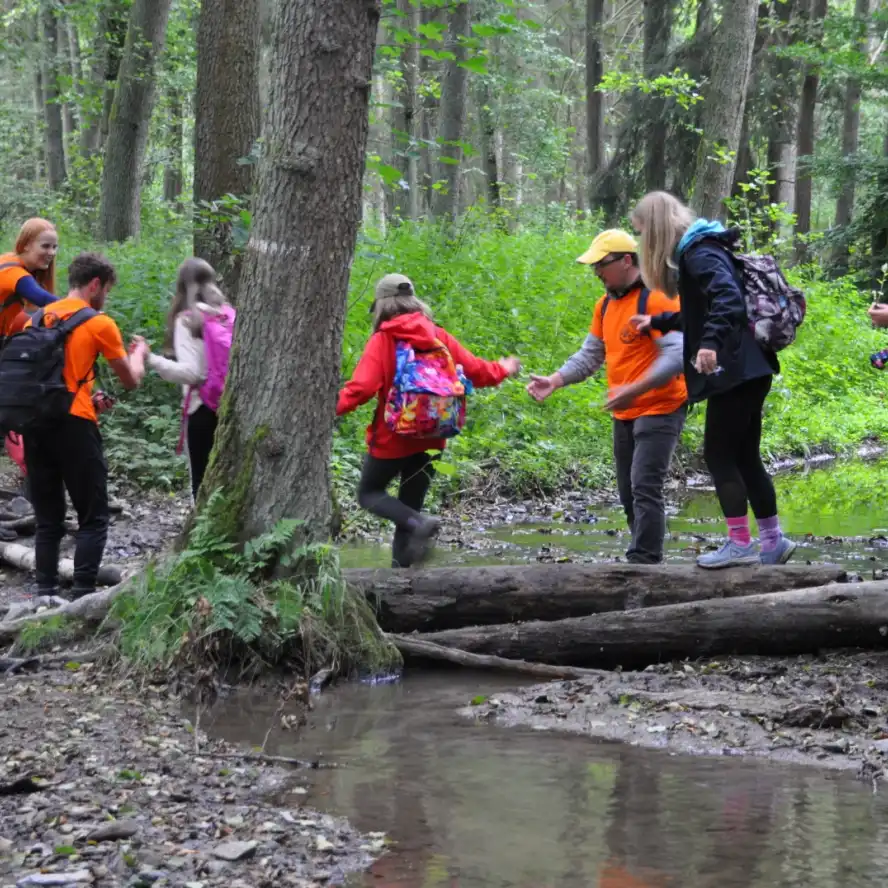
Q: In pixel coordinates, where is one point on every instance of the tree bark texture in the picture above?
(172, 170)
(816, 13)
(723, 107)
(412, 112)
(116, 19)
(453, 598)
(594, 99)
(66, 68)
(783, 623)
(784, 107)
(130, 120)
(52, 109)
(274, 438)
(226, 123)
(453, 114)
(658, 16)
(851, 123)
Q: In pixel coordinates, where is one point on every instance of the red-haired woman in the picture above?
(27, 276)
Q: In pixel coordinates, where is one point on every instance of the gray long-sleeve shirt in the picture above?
(589, 359)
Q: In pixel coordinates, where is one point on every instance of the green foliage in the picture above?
(765, 225)
(42, 635)
(269, 602)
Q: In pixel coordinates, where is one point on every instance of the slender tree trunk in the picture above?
(226, 122)
(407, 122)
(594, 99)
(816, 10)
(52, 109)
(850, 137)
(724, 105)
(172, 170)
(94, 87)
(488, 146)
(130, 120)
(69, 103)
(657, 37)
(40, 153)
(785, 108)
(453, 114)
(880, 234)
(274, 439)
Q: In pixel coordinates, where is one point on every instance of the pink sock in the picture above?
(769, 533)
(738, 530)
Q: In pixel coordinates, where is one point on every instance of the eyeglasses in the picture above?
(606, 262)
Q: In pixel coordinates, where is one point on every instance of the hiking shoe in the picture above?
(731, 554)
(780, 555)
(419, 545)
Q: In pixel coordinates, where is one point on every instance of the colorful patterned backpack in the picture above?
(428, 395)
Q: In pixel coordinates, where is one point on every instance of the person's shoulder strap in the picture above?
(66, 325)
(604, 304)
(644, 294)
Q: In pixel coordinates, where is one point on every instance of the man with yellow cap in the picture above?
(646, 391)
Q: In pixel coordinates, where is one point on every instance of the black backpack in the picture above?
(33, 393)
(641, 307)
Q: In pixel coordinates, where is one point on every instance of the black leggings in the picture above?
(201, 432)
(732, 450)
(415, 474)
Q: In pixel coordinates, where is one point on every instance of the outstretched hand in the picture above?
(540, 387)
(511, 365)
(642, 323)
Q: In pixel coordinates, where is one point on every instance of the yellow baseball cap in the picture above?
(611, 241)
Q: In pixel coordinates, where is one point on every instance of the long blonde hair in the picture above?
(195, 282)
(28, 233)
(389, 305)
(662, 220)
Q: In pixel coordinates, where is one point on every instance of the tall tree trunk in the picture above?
(274, 439)
(488, 145)
(226, 122)
(657, 37)
(850, 136)
(172, 169)
(594, 98)
(69, 103)
(40, 153)
(91, 109)
(453, 113)
(723, 107)
(784, 108)
(116, 23)
(52, 109)
(880, 234)
(130, 120)
(815, 11)
(406, 119)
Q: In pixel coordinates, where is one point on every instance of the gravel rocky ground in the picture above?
(830, 711)
(127, 793)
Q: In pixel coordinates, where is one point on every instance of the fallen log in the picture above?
(22, 558)
(416, 646)
(780, 623)
(454, 597)
(91, 609)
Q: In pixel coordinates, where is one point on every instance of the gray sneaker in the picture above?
(781, 554)
(731, 554)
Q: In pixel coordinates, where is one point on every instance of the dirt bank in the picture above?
(830, 711)
(130, 795)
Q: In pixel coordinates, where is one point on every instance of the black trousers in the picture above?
(732, 442)
(200, 434)
(415, 474)
(68, 455)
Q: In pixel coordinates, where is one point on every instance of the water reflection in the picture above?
(474, 806)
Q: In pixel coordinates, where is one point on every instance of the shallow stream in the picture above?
(476, 806)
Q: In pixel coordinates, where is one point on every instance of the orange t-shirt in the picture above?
(9, 277)
(97, 336)
(630, 354)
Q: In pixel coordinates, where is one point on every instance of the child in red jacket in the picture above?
(399, 316)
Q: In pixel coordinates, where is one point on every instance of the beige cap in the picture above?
(394, 285)
(611, 241)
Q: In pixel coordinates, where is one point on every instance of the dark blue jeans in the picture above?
(643, 450)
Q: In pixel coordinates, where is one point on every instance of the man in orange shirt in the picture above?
(68, 453)
(647, 393)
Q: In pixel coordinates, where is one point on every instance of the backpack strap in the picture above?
(641, 306)
(604, 305)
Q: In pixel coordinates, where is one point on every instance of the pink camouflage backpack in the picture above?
(218, 333)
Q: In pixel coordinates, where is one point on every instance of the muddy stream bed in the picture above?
(753, 773)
